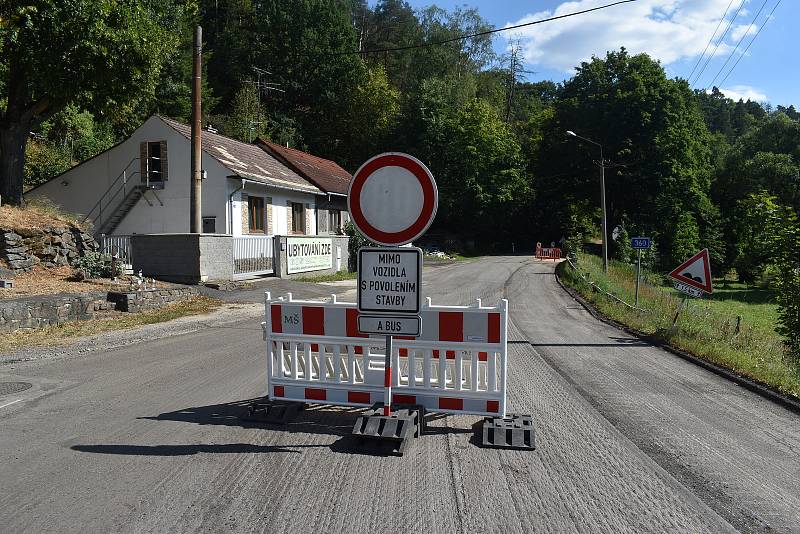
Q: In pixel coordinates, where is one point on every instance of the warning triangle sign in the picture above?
(696, 272)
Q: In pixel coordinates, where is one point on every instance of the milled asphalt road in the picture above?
(144, 438)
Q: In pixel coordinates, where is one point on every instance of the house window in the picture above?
(153, 159)
(256, 214)
(334, 221)
(209, 225)
(298, 218)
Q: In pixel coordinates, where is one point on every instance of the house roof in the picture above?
(247, 161)
(323, 173)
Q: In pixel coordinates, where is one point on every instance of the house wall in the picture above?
(167, 210)
(278, 210)
(324, 206)
(88, 181)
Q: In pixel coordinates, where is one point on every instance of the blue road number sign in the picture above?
(641, 242)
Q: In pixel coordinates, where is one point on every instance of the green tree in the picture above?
(785, 228)
(685, 240)
(248, 119)
(655, 137)
(622, 246)
(101, 54)
(480, 174)
(370, 118)
(753, 235)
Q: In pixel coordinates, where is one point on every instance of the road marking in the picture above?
(10, 403)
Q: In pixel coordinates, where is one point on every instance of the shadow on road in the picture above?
(618, 342)
(314, 419)
(186, 450)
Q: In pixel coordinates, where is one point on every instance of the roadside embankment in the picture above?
(734, 329)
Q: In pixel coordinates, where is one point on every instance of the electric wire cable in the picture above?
(477, 34)
(769, 17)
(721, 39)
(710, 40)
(735, 48)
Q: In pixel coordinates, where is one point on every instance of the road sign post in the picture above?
(639, 243)
(392, 200)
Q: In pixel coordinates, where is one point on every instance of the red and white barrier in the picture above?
(548, 253)
(457, 365)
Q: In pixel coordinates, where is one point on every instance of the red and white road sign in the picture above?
(393, 198)
(695, 272)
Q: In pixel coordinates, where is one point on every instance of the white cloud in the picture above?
(744, 29)
(668, 30)
(744, 92)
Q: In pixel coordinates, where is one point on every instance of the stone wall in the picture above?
(38, 312)
(22, 248)
(134, 301)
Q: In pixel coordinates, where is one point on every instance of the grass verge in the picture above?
(336, 277)
(53, 335)
(706, 328)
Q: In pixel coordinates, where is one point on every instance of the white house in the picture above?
(142, 186)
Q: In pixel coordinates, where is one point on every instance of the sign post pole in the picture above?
(638, 271)
(392, 200)
(387, 378)
(639, 243)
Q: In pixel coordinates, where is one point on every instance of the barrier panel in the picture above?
(548, 253)
(315, 353)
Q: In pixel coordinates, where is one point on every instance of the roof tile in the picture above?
(324, 173)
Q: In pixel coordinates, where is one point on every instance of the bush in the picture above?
(357, 240)
(786, 246)
(96, 265)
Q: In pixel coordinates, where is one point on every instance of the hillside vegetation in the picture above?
(734, 328)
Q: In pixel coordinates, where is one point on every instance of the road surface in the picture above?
(144, 438)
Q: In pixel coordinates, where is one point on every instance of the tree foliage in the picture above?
(99, 54)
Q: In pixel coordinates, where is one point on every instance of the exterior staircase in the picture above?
(110, 222)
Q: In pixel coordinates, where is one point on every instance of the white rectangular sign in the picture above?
(305, 254)
(687, 289)
(400, 325)
(390, 280)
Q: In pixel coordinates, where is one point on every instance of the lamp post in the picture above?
(602, 195)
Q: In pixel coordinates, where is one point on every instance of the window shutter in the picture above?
(164, 166)
(143, 161)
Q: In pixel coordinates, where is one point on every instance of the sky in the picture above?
(676, 32)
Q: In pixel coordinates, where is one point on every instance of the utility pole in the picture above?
(195, 213)
(602, 195)
(603, 207)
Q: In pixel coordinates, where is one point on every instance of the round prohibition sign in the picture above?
(393, 198)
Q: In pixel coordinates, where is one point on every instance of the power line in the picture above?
(711, 39)
(735, 48)
(751, 41)
(721, 39)
(477, 34)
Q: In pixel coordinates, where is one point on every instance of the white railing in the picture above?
(117, 245)
(253, 256)
(316, 354)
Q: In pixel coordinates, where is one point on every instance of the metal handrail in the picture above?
(122, 176)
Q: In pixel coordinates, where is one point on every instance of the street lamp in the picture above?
(602, 195)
